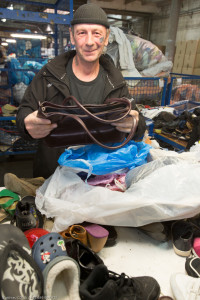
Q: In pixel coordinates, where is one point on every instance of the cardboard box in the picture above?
(197, 61)
(177, 70)
(189, 61)
(196, 71)
(178, 63)
(178, 60)
(187, 57)
(187, 71)
(198, 47)
(180, 48)
(191, 47)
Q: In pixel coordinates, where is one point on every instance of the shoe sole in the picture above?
(194, 253)
(180, 252)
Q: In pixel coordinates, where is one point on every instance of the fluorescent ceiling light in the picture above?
(11, 41)
(59, 12)
(4, 44)
(28, 36)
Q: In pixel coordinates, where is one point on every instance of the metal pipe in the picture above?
(172, 29)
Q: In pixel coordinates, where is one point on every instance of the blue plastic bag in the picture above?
(96, 160)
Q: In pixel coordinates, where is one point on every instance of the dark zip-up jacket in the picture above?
(52, 84)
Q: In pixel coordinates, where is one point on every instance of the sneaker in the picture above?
(31, 200)
(185, 287)
(192, 266)
(27, 216)
(103, 284)
(182, 236)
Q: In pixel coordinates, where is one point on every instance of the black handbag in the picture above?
(86, 124)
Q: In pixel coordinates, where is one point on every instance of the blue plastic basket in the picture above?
(187, 105)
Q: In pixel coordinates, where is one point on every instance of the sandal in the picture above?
(8, 201)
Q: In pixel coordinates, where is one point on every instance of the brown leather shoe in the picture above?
(76, 232)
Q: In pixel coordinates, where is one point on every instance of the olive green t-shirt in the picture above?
(87, 92)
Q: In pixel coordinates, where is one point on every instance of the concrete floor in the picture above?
(20, 165)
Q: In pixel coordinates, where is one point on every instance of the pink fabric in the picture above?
(196, 246)
(114, 182)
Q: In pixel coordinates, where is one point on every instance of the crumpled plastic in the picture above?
(96, 160)
(167, 193)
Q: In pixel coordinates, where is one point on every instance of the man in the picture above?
(84, 73)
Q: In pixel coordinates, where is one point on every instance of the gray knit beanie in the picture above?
(90, 14)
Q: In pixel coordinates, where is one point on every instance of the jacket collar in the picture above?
(57, 67)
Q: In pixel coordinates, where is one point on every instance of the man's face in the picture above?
(89, 40)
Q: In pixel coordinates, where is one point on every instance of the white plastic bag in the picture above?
(168, 193)
(18, 91)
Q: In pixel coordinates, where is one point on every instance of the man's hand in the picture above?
(37, 127)
(126, 124)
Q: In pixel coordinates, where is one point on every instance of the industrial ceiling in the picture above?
(116, 10)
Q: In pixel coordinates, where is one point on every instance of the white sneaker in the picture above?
(185, 287)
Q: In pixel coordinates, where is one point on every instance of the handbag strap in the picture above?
(129, 137)
(110, 100)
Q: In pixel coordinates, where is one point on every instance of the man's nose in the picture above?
(89, 39)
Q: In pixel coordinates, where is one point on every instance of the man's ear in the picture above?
(107, 37)
(71, 36)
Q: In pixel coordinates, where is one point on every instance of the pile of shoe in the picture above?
(187, 286)
(17, 201)
(53, 267)
(184, 234)
(186, 243)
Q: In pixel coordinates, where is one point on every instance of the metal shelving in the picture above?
(43, 13)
